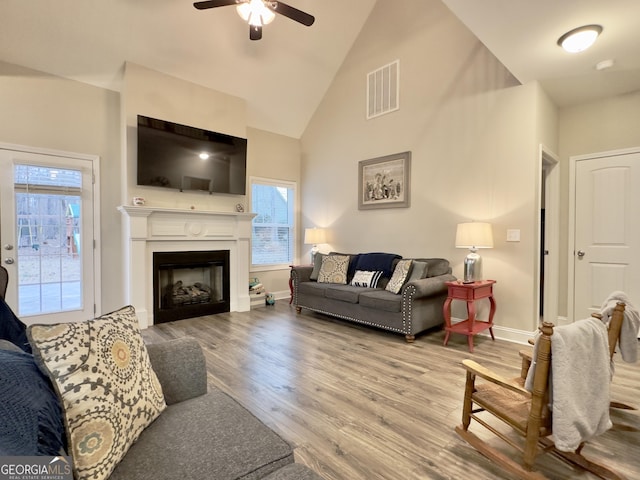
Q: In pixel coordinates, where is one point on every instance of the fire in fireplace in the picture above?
(190, 284)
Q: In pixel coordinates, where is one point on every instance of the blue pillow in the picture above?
(12, 329)
(30, 414)
(377, 261)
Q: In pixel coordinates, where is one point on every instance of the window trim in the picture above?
(289, 184)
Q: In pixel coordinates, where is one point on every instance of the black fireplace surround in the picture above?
(190, 284)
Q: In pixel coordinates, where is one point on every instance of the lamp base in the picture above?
(314, 251)
(472, 268)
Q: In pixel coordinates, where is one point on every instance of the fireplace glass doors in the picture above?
(190, 284)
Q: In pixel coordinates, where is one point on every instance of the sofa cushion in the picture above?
(399, 277)
(334, 269)
(31, 416)
(313, 288)
(381, 300)
(109, 391)
(210, 436)
(419, 269)
(363, 278)
(377, 261)
(437, 266)
(317, 263)
(344, 293)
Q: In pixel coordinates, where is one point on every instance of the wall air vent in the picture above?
(383, 90)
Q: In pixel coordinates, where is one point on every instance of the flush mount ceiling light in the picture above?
(580, 38)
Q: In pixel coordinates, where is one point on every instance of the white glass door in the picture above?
(46, 229)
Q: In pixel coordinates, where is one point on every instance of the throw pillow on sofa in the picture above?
(31, 416)
(334, 269)
(419, 270)
(109, 391)
(399, 277)
(317, 264)
(366, 279)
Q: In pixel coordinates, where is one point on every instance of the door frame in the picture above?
(551, 181)
(573, 160)
(95, 166)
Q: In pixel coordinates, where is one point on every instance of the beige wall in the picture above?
(154, 94)
(40, 110)
(609, 124)
(474, 136)
(274, 156)
(269, 155)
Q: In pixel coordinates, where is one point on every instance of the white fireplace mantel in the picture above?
(152, 229)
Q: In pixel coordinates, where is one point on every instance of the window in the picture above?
(273, 227)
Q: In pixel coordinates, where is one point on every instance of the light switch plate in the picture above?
(513, 235)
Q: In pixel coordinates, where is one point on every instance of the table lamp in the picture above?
(314, 236)
(473, 235)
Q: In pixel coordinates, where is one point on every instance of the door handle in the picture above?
(9, 261)
(580, 253)
(8, 246)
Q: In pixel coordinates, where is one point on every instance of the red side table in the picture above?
(469, 292)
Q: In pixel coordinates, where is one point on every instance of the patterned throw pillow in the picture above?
(334, 269)
(109, 391)
(363, 278)
(399, 276)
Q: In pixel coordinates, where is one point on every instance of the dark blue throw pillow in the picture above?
(374, 262)
(30, 414)
(12, 329)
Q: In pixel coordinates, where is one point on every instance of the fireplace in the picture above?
(148, 230)
(190, 284)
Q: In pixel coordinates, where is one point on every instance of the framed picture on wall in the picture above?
(384, 182)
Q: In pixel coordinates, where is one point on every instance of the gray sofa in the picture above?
(417, 307)
(202, 434)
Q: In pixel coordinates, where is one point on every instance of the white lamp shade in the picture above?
(314, 236)
(474, 235)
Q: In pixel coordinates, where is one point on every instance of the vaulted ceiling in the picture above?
(284, 76)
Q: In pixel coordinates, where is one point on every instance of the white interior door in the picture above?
(606, 249)
(46, 234)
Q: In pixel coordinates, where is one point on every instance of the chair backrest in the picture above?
(4, 281)
(614, 327)
(539, 412)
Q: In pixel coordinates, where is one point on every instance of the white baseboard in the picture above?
(519, 336)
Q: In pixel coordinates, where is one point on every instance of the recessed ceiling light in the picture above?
(580, 38)
(204, 155)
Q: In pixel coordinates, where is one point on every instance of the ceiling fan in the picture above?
(259, 12)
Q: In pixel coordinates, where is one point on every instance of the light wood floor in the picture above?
(359, 403)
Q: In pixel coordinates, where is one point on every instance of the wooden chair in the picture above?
(4, 281)
(526, 412)
(614, 327)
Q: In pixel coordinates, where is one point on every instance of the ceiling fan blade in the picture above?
(255, 32)
(292, 13)
(213, 3)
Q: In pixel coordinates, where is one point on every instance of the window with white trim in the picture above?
(272, 231)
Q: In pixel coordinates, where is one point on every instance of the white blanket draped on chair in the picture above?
(580, 382)
(628, 342)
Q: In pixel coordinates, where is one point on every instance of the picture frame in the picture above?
(384, 182)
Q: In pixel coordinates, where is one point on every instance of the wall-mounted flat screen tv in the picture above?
(177, 156)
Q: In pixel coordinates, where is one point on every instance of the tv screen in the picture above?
(177, 156)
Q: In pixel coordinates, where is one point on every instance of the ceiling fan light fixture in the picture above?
(255, 12)
(579, 39)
